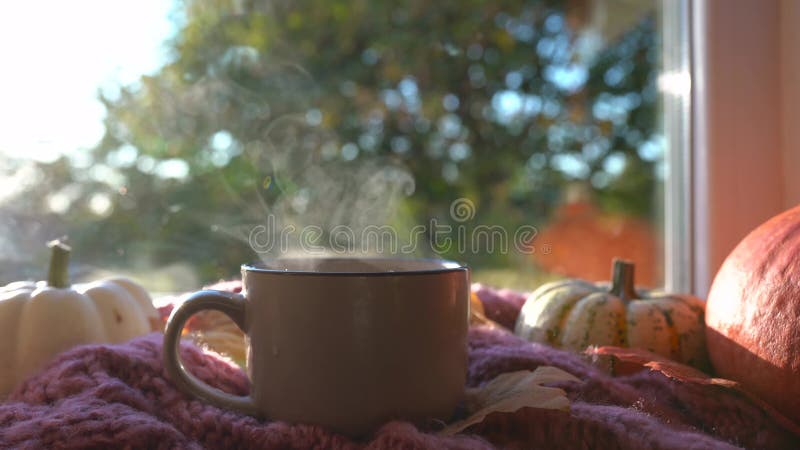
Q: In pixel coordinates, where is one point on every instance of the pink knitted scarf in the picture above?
(118, 396)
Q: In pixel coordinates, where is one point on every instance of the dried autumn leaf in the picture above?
(216, 331)
(477, 314)
(208, 329)
(631, 358)
(638, 359)
(512, 391)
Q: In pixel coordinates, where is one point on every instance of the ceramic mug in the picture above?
(345, 343)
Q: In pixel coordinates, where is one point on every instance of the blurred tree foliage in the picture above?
(500, 102)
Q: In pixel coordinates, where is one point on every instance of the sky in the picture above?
(55, 54)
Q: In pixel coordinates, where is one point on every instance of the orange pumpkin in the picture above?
(753, 314)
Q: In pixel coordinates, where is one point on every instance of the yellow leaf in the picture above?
(504, 40)
(477, 315)
(512, 391)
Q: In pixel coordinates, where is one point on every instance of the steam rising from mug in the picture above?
(315, 193)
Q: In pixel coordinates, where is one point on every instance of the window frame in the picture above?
(677, 126)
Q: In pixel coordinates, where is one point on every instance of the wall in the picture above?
(790, 99)
(746, 161)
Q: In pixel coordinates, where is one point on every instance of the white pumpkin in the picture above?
(41, 320)
(574, 314)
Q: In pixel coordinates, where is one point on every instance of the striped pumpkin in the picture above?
(575, 314)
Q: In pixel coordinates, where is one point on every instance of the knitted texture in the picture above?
(500, 305)
(119, 396)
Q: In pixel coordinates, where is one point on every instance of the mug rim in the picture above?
(447, 266)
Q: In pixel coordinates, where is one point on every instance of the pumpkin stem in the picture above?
(622, 280)
(58, 275)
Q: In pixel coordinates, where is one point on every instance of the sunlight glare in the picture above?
(57, 55)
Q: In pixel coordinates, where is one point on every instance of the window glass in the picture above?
(173, 142)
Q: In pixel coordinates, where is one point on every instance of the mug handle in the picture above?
(232, 305)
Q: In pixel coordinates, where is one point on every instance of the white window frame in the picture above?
(675, 85)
